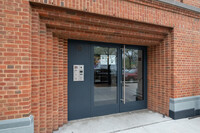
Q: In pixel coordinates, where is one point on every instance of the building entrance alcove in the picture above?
(53, 31)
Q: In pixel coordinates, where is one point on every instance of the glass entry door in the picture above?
(105, 75)
(114, 78)
(105, 80)
(118, 79)
(132, 79)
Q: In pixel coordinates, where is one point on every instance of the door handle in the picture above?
(122, 99)
(124, 87)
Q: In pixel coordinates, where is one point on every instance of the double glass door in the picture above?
(119, 79)
(114, 78)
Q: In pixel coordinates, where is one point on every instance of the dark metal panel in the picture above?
(79, 91)
(145, 75)
(182, 114)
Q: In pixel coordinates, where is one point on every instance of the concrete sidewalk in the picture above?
(143, 121)
(174, 126)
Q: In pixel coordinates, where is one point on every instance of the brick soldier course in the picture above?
(34, 56)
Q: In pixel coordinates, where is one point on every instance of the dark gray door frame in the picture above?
(107, 109)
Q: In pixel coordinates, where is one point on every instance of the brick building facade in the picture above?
(34, 52)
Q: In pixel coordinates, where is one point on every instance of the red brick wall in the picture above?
(35, 68)
(33, 57)
(50, 67)
(55, 82)
(43, 80)
(187, 60)
(160, 75)
(110, 5)
(15, 45)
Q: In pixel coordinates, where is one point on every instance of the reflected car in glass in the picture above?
(131, 75)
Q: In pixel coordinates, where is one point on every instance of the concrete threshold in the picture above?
(119, 122)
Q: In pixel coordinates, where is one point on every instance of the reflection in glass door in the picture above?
(105, 75)
(132, 75)
(112, 94)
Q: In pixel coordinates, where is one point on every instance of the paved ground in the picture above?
(143, 121)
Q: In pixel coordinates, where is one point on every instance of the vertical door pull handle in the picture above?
(124, 85)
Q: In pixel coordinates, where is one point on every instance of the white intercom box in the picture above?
(78, 72)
